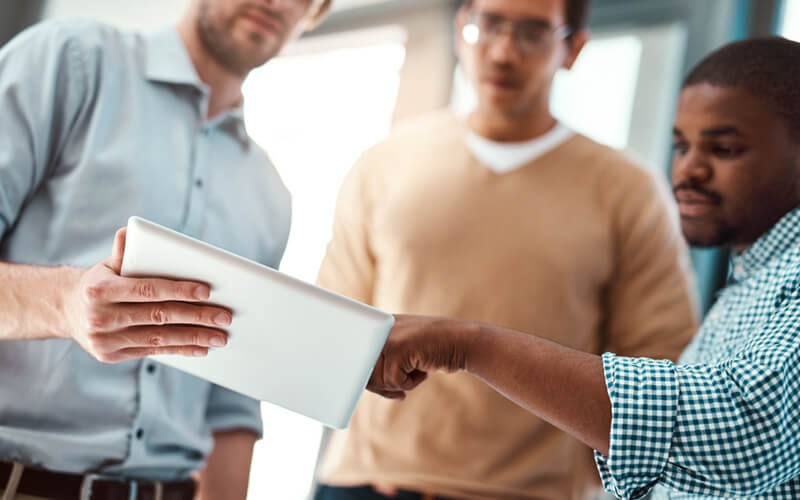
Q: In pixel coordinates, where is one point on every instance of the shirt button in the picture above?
(738, 270)
(139, 433)
(198, 183)
(151, 368)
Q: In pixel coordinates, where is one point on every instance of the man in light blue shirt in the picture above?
(99, 125)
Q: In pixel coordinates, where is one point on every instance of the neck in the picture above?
(500, 127)
(740, 249)
(225, 86)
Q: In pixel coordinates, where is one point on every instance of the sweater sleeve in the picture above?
(651, 307)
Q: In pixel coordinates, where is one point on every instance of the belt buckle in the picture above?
(89, 479)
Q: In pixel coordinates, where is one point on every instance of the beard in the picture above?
(216, 35)
(718, 235)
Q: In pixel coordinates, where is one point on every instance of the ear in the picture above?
(575, 45)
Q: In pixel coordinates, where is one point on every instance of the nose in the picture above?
(502, 47)
(692, 167)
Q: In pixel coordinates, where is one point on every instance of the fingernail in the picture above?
(199, 353)
(201, 293)
(222, 319)
(217, 341)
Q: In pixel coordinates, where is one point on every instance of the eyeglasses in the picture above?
(531, 36)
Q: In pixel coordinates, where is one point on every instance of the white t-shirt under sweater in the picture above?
(504, 157)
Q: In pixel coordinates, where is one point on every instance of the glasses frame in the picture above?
(480, 37)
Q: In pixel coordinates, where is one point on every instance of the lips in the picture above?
(695, 204)
(502, 81)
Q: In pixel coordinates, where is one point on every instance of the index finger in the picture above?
(126, 289)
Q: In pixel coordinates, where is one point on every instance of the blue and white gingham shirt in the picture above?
(725, 423)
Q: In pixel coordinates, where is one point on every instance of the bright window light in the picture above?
(791, 20)
(315, 110)
(597, 102)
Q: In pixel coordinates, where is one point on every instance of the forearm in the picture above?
(562, 386)
(32, 301)
(227, 470)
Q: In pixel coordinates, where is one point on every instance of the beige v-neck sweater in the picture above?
(580, 246)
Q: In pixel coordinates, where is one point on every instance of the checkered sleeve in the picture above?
(727, 429)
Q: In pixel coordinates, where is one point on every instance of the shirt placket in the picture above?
(197, 198)
(150, 400)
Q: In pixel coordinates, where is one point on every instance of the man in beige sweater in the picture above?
(508, 218)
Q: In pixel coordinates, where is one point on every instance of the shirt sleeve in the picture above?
(43, 82)
(349, 265)
(729, 429)
(228, 410)
(651, 308)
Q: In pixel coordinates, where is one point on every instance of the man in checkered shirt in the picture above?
(725, 423)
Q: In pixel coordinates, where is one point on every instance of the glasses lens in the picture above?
(471, 33)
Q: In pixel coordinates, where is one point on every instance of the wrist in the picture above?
(67, 282)
(465, 337)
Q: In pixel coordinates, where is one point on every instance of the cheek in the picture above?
(740, 191)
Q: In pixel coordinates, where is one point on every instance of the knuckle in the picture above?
(196, 338)
(93, 292)
(97, 320)
(158, 316)
(155, 340)
(146, 289)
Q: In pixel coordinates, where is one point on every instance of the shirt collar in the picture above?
(233, 121)
(168, 61)
(774, 243)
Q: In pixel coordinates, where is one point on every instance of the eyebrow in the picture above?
(545, 23)
(721, 130)
(713, 131)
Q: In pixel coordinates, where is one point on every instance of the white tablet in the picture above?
(290, 343)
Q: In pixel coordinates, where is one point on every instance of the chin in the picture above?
(706, 235)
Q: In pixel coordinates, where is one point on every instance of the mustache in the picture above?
(688, 186)
(265, 11)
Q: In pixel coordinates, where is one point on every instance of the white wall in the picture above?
(144, 15)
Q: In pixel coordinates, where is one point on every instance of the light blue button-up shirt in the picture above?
(95, 126)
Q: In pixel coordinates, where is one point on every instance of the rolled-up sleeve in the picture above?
(728, 429)
(43, 85)
(644, 404)
(228, 410)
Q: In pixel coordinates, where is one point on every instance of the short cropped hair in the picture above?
(768, 68)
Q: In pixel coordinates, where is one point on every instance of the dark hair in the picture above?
(577, 13)
(768, 68)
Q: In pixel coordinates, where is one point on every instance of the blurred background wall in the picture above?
(339, 89)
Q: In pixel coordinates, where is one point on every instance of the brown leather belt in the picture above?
(65, 486)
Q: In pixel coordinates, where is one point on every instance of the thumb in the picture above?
(118, 250)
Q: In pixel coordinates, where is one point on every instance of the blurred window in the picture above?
(315, 109)
(790, 27)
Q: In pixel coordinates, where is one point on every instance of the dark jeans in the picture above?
(361, 493)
